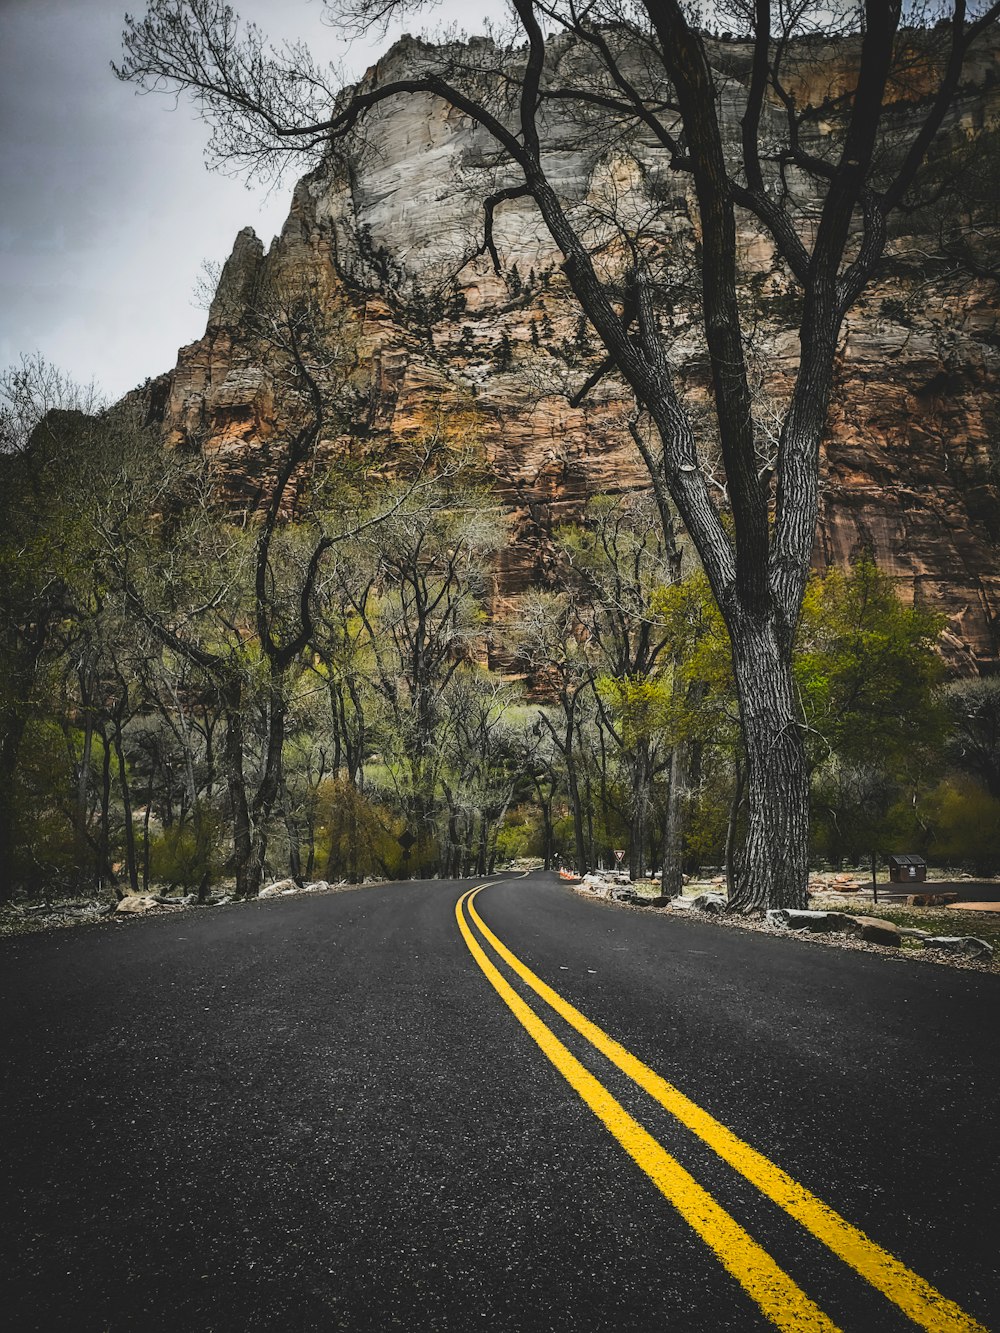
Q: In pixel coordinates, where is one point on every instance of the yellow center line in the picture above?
(781, 1300)
(915, 1297)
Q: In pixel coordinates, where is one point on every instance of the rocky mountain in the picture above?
(393, 226)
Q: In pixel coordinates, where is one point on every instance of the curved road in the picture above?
(399, 1108)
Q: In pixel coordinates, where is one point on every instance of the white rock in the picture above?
(135, 905)
(278, 888)
(966, 945)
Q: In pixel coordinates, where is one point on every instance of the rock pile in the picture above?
(873, 930)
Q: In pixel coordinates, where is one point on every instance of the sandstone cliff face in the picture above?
(911, 460)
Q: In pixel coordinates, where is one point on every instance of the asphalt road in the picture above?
(322, 1113)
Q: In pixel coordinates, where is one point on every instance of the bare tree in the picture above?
(32, 389)
(236, 588)
(551, 645)
(614, 565)
(745, 130)
(424, 623)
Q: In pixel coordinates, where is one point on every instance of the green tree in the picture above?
(554, 653)
(962, 822)
(868, 674)
(866, 667)
(61, 472)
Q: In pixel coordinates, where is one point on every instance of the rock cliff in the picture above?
(393, 227)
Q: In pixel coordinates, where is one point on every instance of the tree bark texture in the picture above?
(772, 866)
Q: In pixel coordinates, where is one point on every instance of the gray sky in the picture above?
(106, 208)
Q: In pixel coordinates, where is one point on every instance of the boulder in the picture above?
(710, 902)
(275, 890)
(876, 931)
(965, 945)
(595, 884)
(136, 904)
(826, 922)
(930, 899)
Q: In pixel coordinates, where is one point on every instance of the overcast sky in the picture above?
(106, 208)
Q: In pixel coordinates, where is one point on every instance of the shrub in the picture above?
(965, 825)
(357, 836)
(187, 855)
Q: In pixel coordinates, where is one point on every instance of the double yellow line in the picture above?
(777, 1295)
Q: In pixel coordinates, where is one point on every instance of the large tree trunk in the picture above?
(732, 828)
(772, 867)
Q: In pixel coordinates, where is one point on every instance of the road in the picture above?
(366, 1111)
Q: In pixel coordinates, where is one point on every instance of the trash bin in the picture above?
(907, 868)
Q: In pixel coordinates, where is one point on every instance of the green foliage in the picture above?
(857, 809)
(356, 835)
(44, 852)
(964, 823)
(867, 673)
(644, 708)
(520, 835)
(705, 836)
(866, 668)
(188, 855)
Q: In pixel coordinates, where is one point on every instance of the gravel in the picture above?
(836, 903)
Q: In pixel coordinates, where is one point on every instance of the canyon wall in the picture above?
(392, 228)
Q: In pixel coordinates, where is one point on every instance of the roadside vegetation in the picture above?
(317, 681)
(748, 128)
(304, 669)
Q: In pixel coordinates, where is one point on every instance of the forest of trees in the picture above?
(196, 693)
(760, 131)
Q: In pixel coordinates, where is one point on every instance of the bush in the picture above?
(357, 837)
(45, 856)
(187, 855)
(965, 825)
(521, 835)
